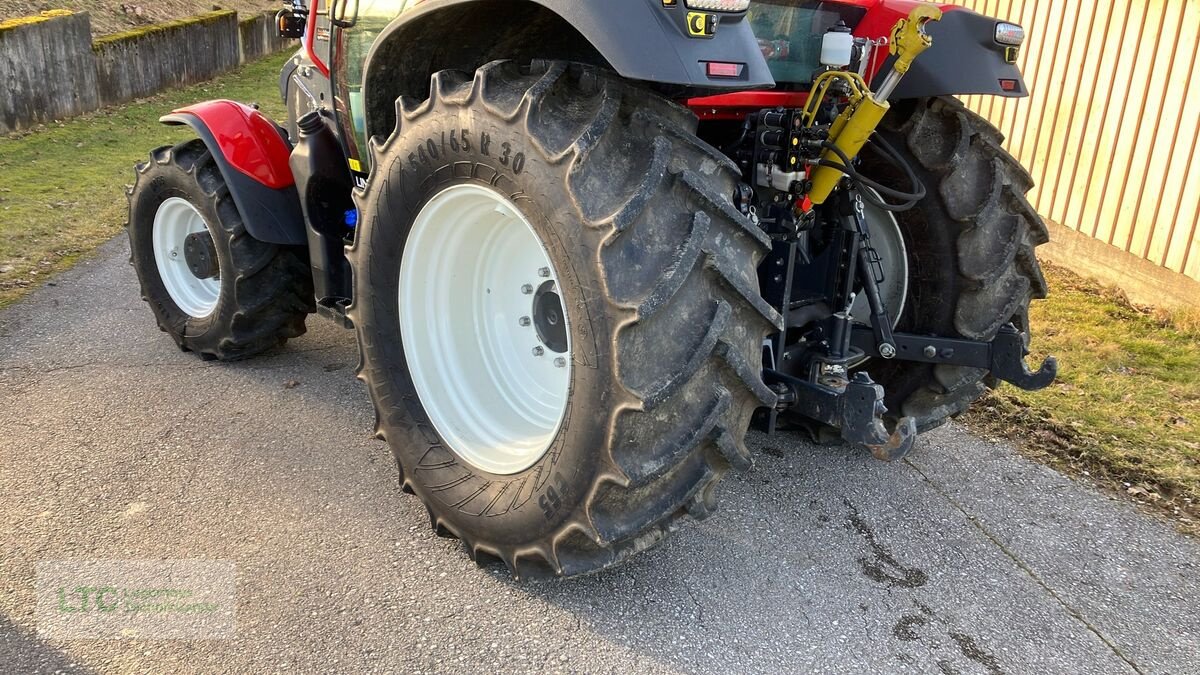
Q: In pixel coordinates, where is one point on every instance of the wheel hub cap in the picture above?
(548, 318)
(201, 255)
(485, 335)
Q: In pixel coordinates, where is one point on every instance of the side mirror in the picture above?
(290, 24)
(343, 13)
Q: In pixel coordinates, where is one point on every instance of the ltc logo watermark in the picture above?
(145, 599)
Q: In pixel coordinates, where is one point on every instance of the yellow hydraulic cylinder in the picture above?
(853, 128)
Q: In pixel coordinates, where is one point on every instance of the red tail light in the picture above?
(720, 69)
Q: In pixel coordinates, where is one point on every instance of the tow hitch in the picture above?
(855, 406)
(854, 403)
(1003, 356)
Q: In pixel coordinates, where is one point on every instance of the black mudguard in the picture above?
(640, 39)
(964, 59)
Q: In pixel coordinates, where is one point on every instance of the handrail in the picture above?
(310, 38)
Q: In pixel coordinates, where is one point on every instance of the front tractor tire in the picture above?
(558, 314)
(213, 288)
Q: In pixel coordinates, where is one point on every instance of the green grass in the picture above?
(1126, 408)
(62, 186)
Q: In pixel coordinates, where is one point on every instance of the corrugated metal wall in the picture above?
(1111, 130)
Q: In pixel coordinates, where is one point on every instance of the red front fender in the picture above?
(253, 155)
(248, 140)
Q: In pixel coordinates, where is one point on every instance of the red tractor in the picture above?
(585, 244)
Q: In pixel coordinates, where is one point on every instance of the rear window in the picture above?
(789, 33)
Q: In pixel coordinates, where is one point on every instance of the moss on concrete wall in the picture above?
(208, 18)
(9, 24)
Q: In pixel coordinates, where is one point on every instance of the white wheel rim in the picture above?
(471, 269)
(175, 220)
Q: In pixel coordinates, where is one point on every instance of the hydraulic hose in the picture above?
(888, 153)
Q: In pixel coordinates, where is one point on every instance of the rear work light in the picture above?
(1010, 34)
(719, 5)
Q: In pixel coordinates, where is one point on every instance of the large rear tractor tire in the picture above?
(970, 248)
(213, 288)
(558, 313)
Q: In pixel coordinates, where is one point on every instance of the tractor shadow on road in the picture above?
(23, 651)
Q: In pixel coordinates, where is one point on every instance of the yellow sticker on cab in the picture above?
(701, 24)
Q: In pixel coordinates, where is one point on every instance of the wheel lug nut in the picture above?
(524, 321)
(538, 351)
(527, 289)
(560, 362)
(544, 272)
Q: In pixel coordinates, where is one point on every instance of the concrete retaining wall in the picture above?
(259, 37)
(139, 63)
(50, 68)
(46, 69)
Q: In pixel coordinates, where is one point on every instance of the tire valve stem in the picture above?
(524, 321)
(538, 351)
(560, 362)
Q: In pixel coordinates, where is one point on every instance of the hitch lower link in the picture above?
(1004, 356)
(855, 406)
(854, 403)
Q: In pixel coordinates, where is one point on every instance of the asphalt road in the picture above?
(965, 559)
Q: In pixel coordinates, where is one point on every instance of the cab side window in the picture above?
(350, 60)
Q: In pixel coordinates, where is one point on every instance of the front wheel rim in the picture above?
(489, 357)
(174, 221)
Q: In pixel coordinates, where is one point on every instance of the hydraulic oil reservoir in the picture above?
(837, 47)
